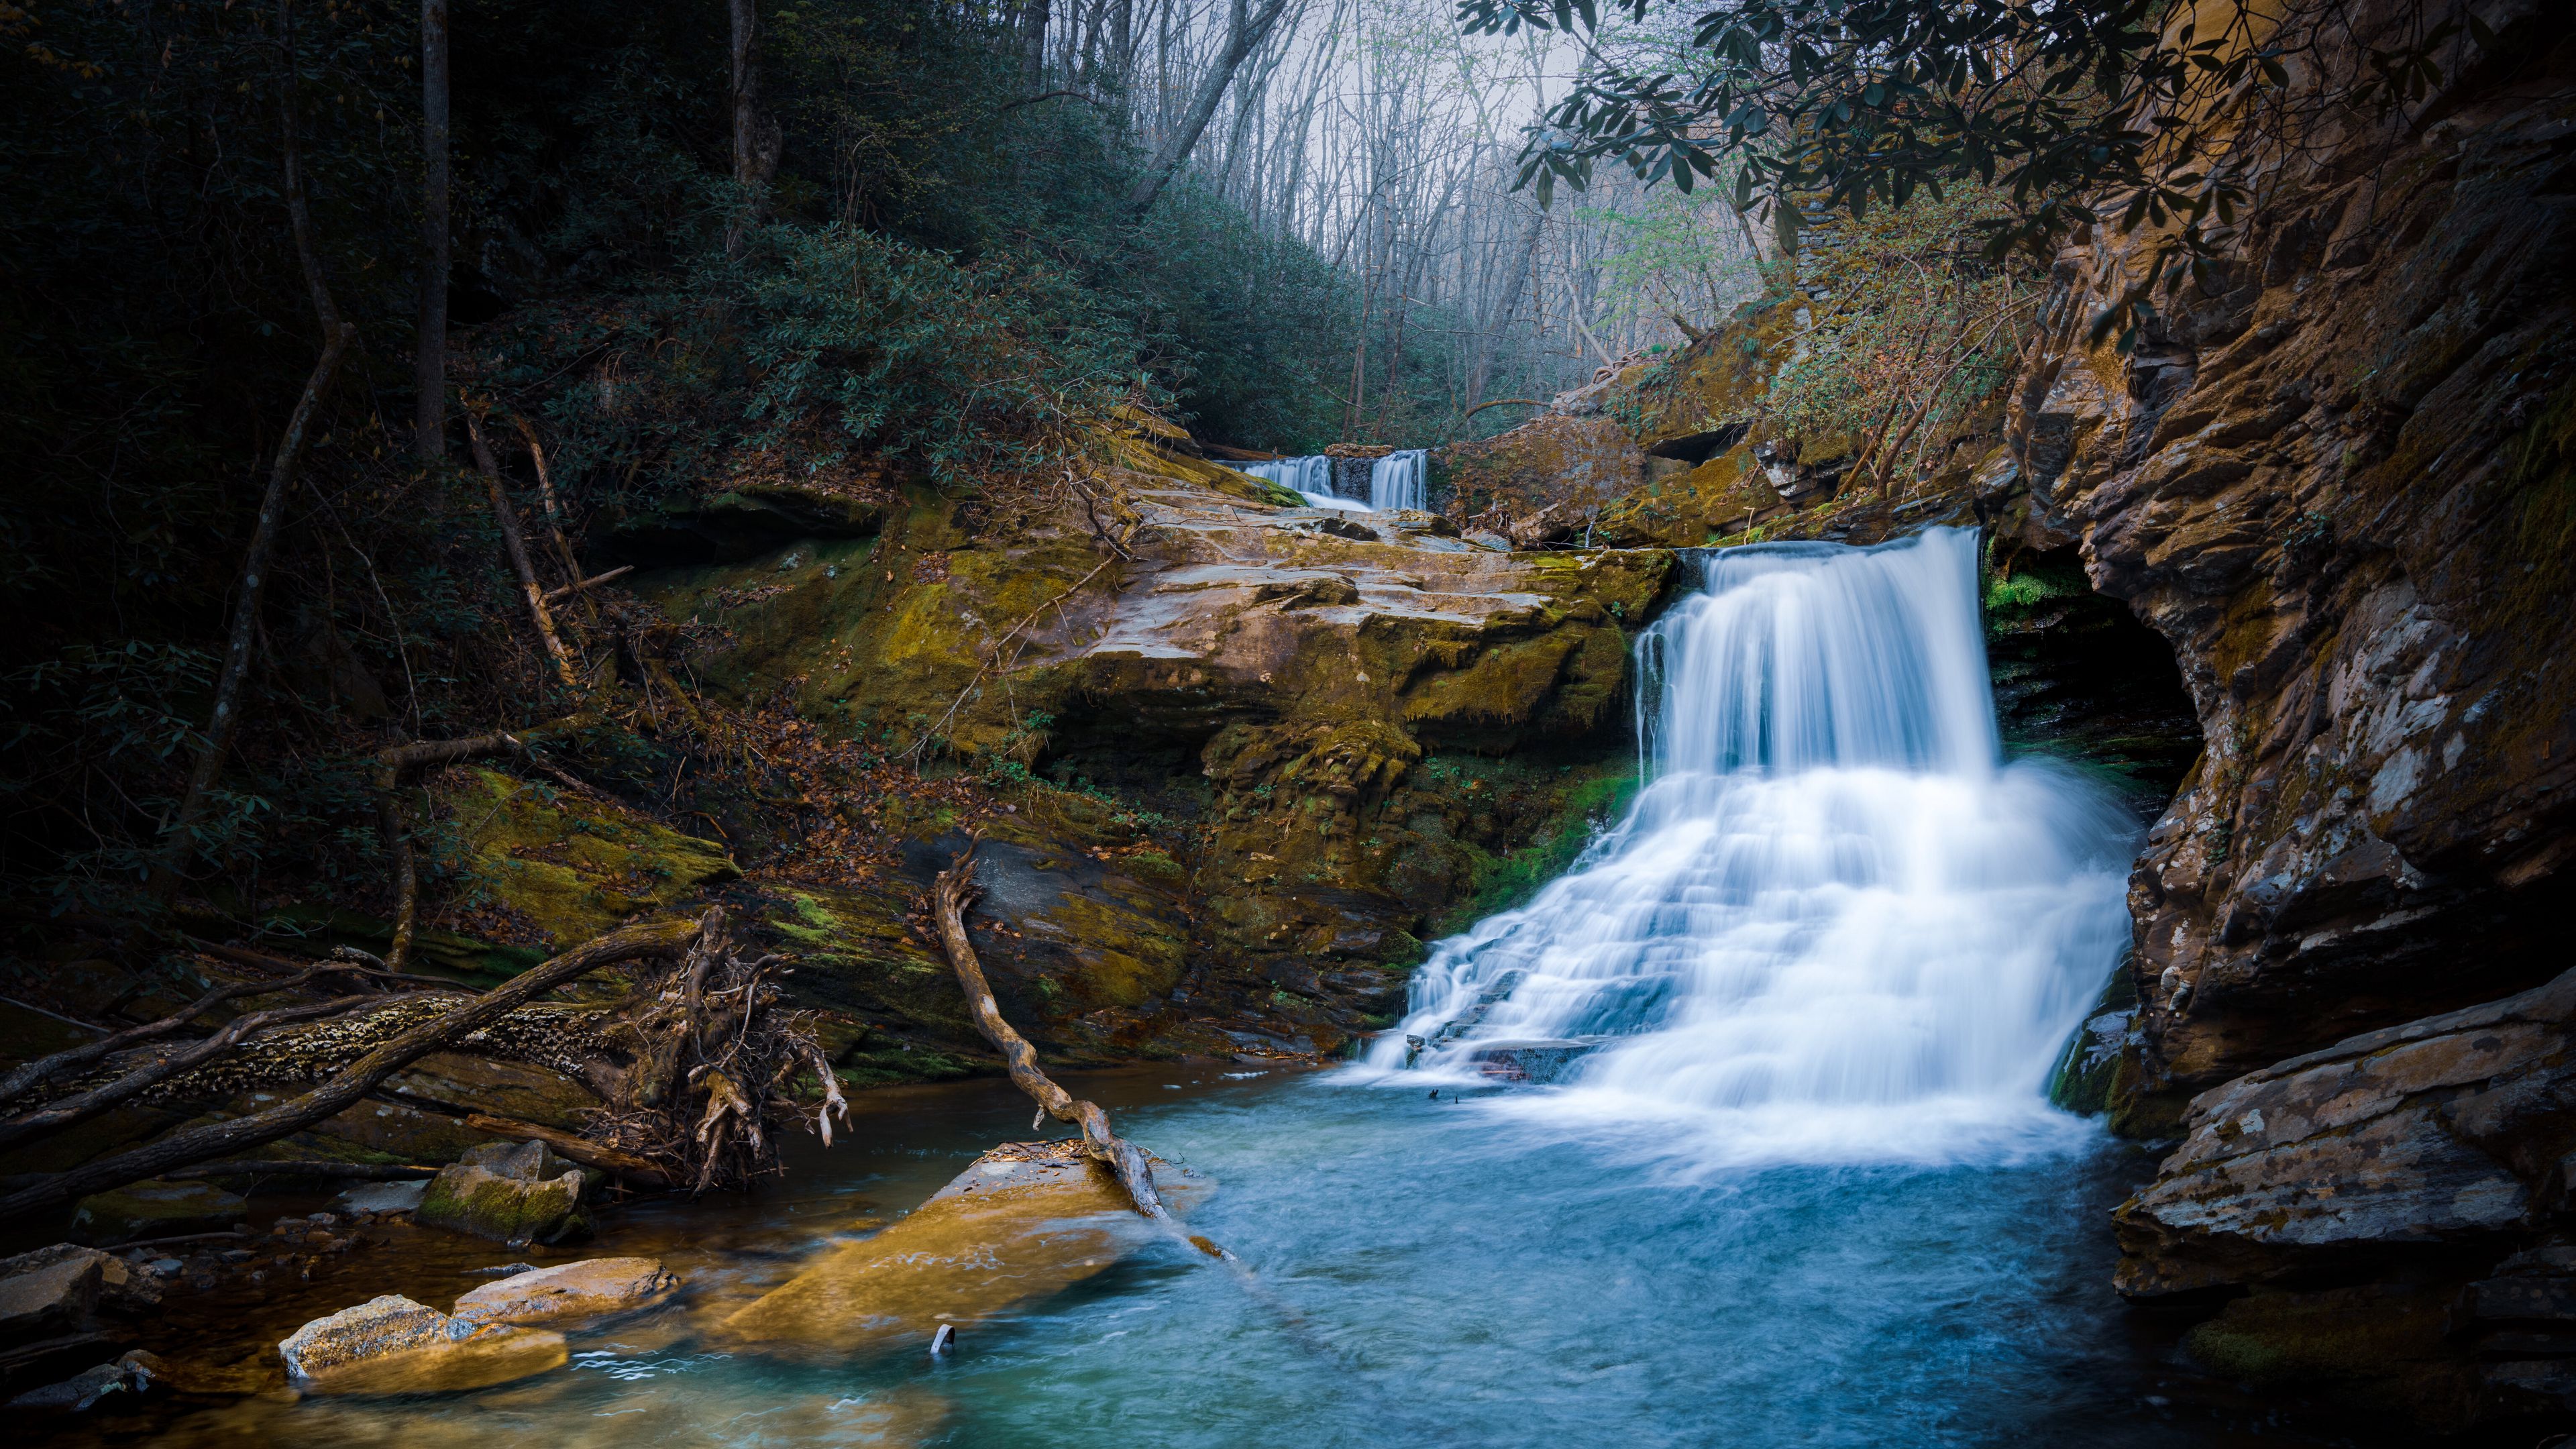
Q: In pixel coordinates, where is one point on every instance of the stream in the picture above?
(1789, 1177)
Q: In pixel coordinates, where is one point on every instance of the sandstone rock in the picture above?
(2452, 1128)
(592, 1288)
(516, 1195)
(155, 1210)
(495, 1356)
(1024, 1221)
(380, 1326)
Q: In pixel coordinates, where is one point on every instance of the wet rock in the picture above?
(2417, 1137)
(78, 1392)
(1026, 1220)
(1533, 1063)
(496, 1356)
(383, 1197)
(50, 1289)
(155, 1209)
(592, 1288)
(371, 1330)
(517, 1195)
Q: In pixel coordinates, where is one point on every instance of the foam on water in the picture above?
(1834, 926)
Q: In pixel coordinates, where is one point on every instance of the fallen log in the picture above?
(349, 1171)
(344, 1088)
(31, 1075)
(561, 592)
(954, 890)
(616, 1162)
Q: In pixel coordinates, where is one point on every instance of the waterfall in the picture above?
(1834, 926)
(1395, 481)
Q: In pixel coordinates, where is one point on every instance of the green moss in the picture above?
(571, 866)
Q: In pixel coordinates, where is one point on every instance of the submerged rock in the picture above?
(382, 1197)
(80, 1391)
(1536, 1063)
(521, 1194)
(1026, 1220)
(155, 1209)
(591, 1288)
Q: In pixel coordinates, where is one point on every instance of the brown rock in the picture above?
(371, 1330)
(591, 1288)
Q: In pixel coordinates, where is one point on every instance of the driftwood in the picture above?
(352, 1082)
(30, 1075)
(954, 891)
(343, 1171)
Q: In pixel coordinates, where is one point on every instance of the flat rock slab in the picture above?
(498, 1356)
(382, 1197)
(1025, 1221)
(592, 1288)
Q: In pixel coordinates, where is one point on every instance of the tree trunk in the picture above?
(429, 373)
(1244, 34)
(755, 145)
(178, 846)
(1513, 283)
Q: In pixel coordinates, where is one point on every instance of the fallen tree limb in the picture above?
(345, 1087)
(398, 761)
(31, 1075)
(950, 895)
(348, 1171)
(562, 592)
(642, 1171)
(71, 1111)
(516, 545)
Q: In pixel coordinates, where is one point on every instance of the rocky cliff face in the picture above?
(2337, 478)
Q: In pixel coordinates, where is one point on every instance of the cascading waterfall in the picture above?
(1834, 926)
(1395, 481)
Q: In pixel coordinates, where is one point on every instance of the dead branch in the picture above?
(398, 761)
(950, 895)
(562, 592)
(73, 1110)
(348, 1171)
(346, 1086)
(179, 843)
(516, 545)
(31, 1075)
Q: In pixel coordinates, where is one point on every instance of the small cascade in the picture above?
(1396, 480)
(1834, 926)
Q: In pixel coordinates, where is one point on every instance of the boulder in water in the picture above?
(1026, 1220)
(592, 1288)
(392, 1345)
(1536, 1063)
(382, 1325)
(511, 1194)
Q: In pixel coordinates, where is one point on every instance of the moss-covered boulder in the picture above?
(154, 1209)
(515, 1195)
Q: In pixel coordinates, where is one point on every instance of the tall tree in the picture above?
(1244, 32)
(429, 374)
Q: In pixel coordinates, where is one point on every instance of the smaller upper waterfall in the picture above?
(1395, 481)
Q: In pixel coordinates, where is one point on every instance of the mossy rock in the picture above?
(510, 1194)
(571, 866)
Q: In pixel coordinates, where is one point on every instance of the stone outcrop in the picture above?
(2336, 480)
